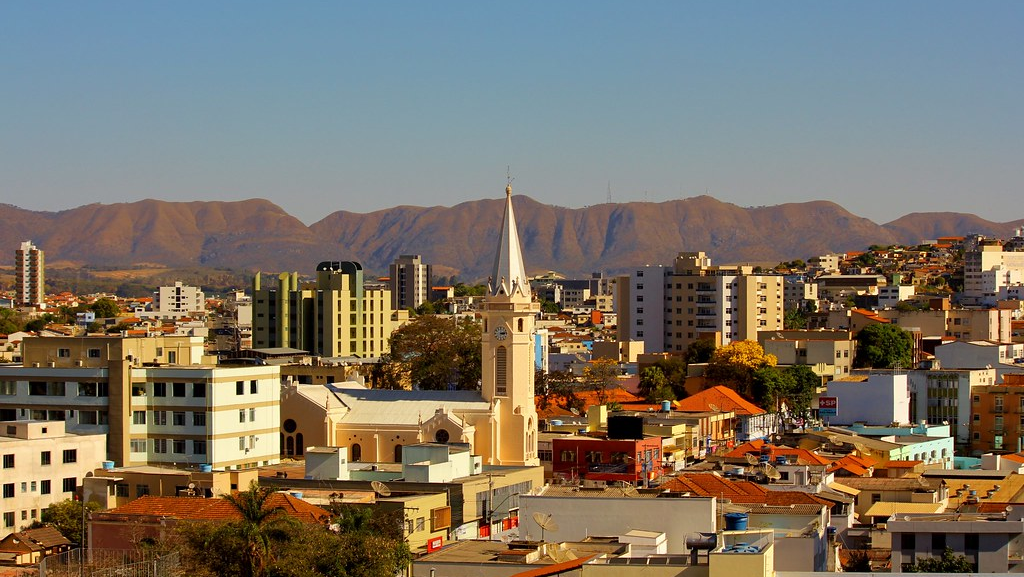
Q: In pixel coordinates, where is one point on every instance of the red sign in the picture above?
(828, 402)
(434, 544)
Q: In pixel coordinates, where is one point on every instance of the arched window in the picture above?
(300, 448)
(520, 325)
(282, 444)
(500, 366)
(398, 453)
(289, 446)
(357, 453)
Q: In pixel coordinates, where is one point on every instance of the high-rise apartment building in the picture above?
(990, 268)
(696, 300)
(28, 273)
(410, 282)
(335, 316)
(179, 300)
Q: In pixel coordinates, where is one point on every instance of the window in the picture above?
(138, 390)
(178, 446)
(545, 456)
(198, 389)
(64, 353)
(593, 456)
(8, 490)
(179, 389)
(938, 542)
(199, 419)
(568, 456)
(160, 417)
(241, 415)
(9, 461)
(239, 387)
(159, 389)
(138, 445)
(178, 418)
(69, 484)
(121, 490)
(160, 446)
(9, 519)
(70, 455)
(241, 443)
(33, 486)
(198, 447)
(141, 490)
(44, 487)
(138, 417)
(8, 388)
(44, 458)
(253, 387)
(94, 353)
(876, 497)
(93, 389)
(252, 415)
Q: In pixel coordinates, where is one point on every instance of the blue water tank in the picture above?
(108, 465)
(556, 423)
(666, 406)
(736, 522)
(205, 468)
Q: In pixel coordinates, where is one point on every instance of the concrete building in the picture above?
(993, 542)
(988, 267)
(154, 397)
(957, 323)
(696, 300)
(830, 354)
(1003, 356)
(42, 464)
(179, 301)
(943, 396)
(29, 276)
(997, 424)
(338, 315)
(875, 399)
(799, 293)
(409, 281)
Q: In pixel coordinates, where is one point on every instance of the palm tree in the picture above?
(255, 526)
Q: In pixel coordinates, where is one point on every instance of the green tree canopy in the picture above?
(884, 346)
(949, 562)
(66, 517)
(437, 353)
(654, 385)
(700, 351)
(105, 309)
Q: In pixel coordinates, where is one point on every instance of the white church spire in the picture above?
(509, 275)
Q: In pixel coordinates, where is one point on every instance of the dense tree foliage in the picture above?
(734, 365)
(654, 385)
(949, 562)
(105, 309)
(884, 346)
(432, 353)
(699, 351)
(66, 517)
(367, 542)
(795, 386)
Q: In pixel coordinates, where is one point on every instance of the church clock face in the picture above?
(500, 333)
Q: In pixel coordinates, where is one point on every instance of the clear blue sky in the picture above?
(883, 107)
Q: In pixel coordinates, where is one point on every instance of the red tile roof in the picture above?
(723, 397)
(758, 446)
(216, 509)
(714, 485)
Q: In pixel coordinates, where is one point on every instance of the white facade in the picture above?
(1004, 357)
(641, 306)
(938, 396)
(178, 300)
(29, 275)
(41, 465)
(881, 399)
(891, 295)
(987, 268)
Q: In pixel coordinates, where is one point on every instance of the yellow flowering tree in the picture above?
(734, 365)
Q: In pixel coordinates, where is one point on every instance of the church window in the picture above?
(357, 453)
(398, 453)
(500, 366)
(299, 446)
(441, 436)
(520, 325)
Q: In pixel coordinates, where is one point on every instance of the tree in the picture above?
(700, 351)
(654, 385)
(105, 309)
(599, 376)
(462, 290)
(770, 387)
(549, 307)
(805, 384)
(950, 562)
(35, 325)
(438, 353)
(426, 308)
(559, 388)
(859, 562)
(8, 322)
(794, 319)
(254, 528)
(735, 363)
(884, 346)
(66, 517)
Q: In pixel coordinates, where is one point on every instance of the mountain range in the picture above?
(459, 240)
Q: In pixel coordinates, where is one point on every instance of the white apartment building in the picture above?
(41, 465)
(799, 292)
(936, 397)
(29, 277)
(641, 303)
(154, 411)
(178, 301)
(876, 399)
(987, 269)
(1004, 357)
(410, 282)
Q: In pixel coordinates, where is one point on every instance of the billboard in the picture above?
(828, 406)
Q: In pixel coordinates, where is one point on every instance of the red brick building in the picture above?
(630, 460)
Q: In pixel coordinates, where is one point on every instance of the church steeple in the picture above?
(509, 275)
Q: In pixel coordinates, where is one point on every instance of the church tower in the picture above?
(507, 353)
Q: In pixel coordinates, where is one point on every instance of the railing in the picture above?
(110, 563)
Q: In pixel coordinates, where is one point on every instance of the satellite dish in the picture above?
(770, 471)
(546, 522)
(191, 486)
(751, 459)
(714, 407)
(575, 411)
(860, 448)
(380, 488)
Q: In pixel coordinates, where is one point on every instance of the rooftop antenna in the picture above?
(609, 192)
(508, 176)
(380, 488)
(546, 522)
